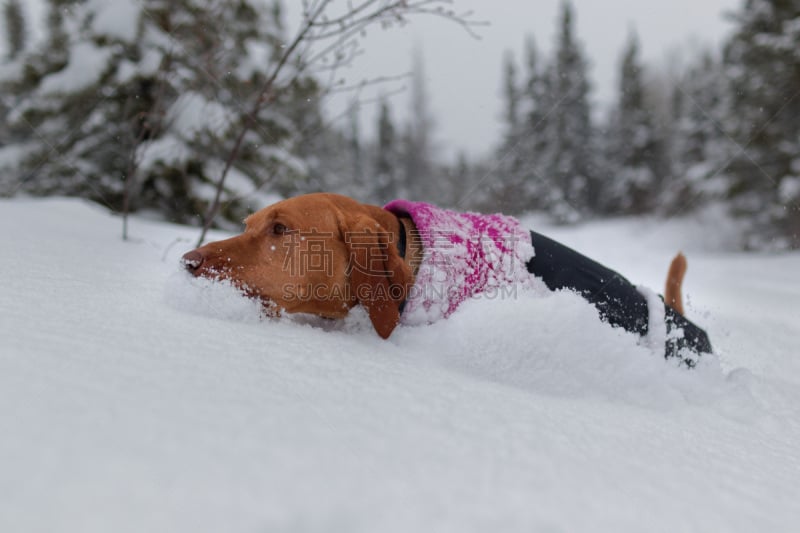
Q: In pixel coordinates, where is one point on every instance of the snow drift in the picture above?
(137, 398)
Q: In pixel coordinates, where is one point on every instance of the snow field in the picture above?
(133, 398)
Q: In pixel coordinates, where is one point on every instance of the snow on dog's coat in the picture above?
(466, 254)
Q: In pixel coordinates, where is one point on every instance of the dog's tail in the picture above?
(672, 291)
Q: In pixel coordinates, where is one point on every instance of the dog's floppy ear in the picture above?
(379, 278)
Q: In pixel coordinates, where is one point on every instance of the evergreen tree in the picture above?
(507, 187)
(463, 182)
(320, 152)
(568, 151)
(637, 156)
(419, 176)
(387, 157)
(140, 107)
(511, 94)
(357, 170)
(16, 35)
(525, 158)
(14, 25)
(763, 65)
(539, 103)
(699, 148)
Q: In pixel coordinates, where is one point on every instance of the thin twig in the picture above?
(344, 32)
(266, 95)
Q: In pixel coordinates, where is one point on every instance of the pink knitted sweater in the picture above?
(466, 255)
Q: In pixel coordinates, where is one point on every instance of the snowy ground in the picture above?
(135, 399)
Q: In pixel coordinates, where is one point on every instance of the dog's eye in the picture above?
(279, 229)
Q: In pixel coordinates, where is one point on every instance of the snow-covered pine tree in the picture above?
(16, 34)
(506, 187)
(469, 179)
(538, 104)
(357, 168)
(636, 147)
(511, 95)
(763, 65)
(523, 183)
(568, 148)
(15, 30)
(17, 77)
(43, 129)
(698, 146)
(419, 180)
(387, 157)
(14, 27)
(321, 151)
(142, 100)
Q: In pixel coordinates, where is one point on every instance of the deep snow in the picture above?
(133, 398)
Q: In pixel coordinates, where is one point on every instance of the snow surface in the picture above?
(133, 398)
(192, 113)
(85, 66)
(115, 18)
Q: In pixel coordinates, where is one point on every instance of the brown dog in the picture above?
(324, 253)
(320, 254)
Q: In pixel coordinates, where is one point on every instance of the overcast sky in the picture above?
(463, 75)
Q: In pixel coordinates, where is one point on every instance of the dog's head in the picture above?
(318, 253)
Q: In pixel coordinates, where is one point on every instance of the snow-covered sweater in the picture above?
(465, 254)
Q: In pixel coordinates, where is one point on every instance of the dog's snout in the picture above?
(192, 260)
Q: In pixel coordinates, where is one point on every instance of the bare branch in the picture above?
(339, 36)
(265, 96)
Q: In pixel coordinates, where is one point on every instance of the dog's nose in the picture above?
(192, 260)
